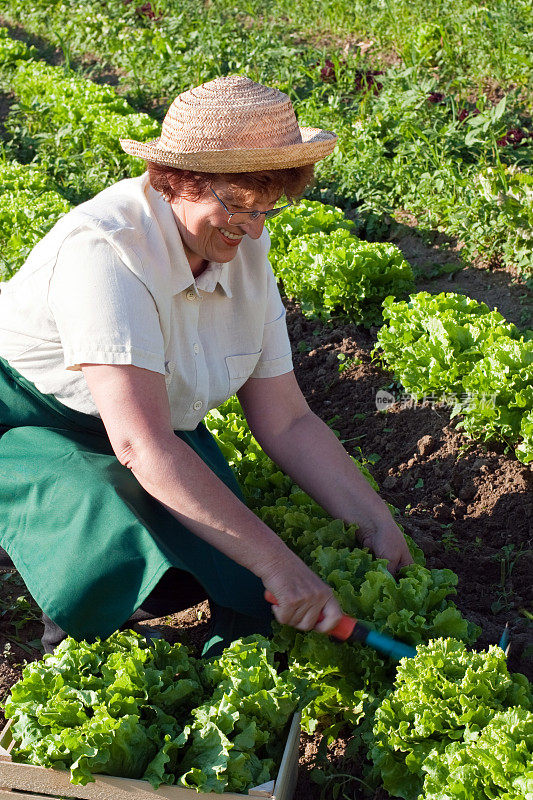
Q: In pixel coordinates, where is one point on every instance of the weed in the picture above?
(16, 613)
(508, 556)
(449, 539)
(347, 363)
(335, 785)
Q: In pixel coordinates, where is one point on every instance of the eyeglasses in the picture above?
(242, 217)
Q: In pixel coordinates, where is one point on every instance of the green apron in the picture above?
(89, 542)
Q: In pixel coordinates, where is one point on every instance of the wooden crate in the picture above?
(28, 782)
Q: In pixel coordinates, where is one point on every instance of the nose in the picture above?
(254, 227)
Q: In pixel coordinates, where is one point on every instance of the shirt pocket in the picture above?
(239, 369)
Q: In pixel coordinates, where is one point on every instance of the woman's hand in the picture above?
(307, 450)
(301, 596)
(387, 541)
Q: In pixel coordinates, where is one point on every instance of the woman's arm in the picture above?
(307, 450)
(133, 404)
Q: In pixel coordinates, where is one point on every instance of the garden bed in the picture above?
(469, 507)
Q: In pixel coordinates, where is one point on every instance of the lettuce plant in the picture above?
(496, 764)
(234, 739)
(447, 709)
(335, 273)
(304, 219)
(27, 212)
(69, 124)
(349, 679)
(102, 707)
(121, 707)
(454, 349)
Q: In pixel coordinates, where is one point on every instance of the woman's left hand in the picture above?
(308, 450)
(387, 541)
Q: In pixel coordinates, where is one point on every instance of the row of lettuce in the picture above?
(445, 347)
(406, 140)
(450, 723)
(119, 707)
(68, 128)
(454, 723)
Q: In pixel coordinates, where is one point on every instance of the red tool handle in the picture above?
(342, 630)
(350, 630)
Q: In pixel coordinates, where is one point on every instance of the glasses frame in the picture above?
(272, 212)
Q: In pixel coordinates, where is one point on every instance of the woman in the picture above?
(140, 311)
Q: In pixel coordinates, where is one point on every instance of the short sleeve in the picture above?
(276, 358)
(104, 313)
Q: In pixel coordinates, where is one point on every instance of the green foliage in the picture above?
(348, 679)
(71, 127)
(29, 207)
(263, 483)
(454, 347)
(351, 678)
(447, 708)
(92, 707)
(121, 707)
(399, 146)
(498, 763)
(328, 270)
(503, 206)
(15, 177)
(335, 273)
(463, 40)
(413, 608)
(304, 219)
(235, 738)
(17, 611)
(12, 50)
(443, 161)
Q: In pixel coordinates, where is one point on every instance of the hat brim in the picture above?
(316, 144)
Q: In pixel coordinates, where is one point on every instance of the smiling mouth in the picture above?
(232, 238)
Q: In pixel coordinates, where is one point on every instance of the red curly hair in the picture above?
(172, 182)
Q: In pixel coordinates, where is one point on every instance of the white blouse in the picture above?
(111, 284)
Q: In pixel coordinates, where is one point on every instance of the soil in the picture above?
(461, 502)
(6, 101)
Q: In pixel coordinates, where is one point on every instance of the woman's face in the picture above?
(204, 228)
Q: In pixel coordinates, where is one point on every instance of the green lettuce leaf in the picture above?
(445, 695)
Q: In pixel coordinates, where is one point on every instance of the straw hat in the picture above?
(232, 124)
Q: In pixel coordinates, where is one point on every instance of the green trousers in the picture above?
(88, 540)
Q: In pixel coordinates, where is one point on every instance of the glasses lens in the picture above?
(274, 212)
(242, 217)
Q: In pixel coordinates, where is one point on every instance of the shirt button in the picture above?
(191, 295)
(197, 405)
(196, 348)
